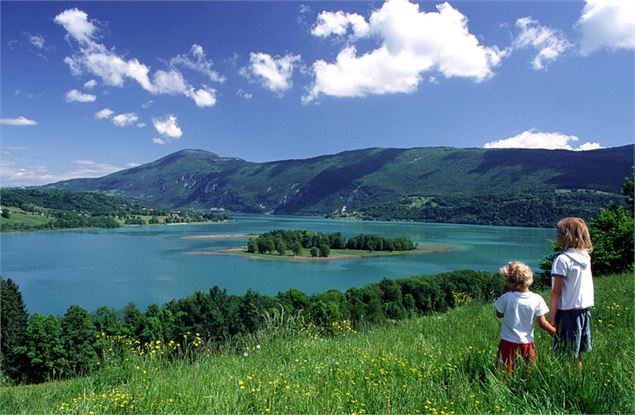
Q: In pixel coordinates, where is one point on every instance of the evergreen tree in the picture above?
(13, 324)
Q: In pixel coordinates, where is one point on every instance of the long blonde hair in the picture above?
(574, 233)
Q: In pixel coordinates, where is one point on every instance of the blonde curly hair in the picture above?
(518, 276)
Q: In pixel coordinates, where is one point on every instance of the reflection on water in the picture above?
(149, 264)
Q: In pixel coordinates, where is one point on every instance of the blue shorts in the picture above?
(573, 331)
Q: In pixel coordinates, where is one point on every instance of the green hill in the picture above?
(438, 364)
(492, 186)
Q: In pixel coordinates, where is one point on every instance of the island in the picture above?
(305, 246)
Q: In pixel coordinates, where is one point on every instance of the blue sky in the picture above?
(89, 88)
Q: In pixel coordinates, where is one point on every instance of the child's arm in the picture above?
(544, 324)
(556, 292)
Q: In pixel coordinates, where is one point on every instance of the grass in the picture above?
(437, 364)
(20, 218)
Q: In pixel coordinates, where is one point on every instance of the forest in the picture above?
(319, 244)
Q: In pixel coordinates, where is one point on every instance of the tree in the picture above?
(13, 324)
(314, 252)
(5, 213)
(78, 338)
(44, 349)
(627, 191)
(612, 236)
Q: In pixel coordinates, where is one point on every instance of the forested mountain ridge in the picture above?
(473, 185)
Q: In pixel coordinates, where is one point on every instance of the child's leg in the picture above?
(507, 355)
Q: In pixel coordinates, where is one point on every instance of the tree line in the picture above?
(319, 244)
(88, 209)
(534, 210)
(37, 348)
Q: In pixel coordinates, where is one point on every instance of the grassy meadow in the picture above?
(437, 364)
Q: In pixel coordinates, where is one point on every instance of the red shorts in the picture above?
(507, 352)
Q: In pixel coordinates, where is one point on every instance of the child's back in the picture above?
(520, 309)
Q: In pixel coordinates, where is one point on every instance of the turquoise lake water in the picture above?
(150, 264)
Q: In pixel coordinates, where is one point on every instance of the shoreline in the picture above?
(221, 236)
(421, 250)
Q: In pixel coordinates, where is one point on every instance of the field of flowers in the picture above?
(438, 364)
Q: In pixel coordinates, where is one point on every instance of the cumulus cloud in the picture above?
(96, 59)
(549, 43)
(76, 96)
(90, 84)
(196, 60)
(77, 25)
(167, 127)
(159, 141)
(125, 120)
(274, 73)
(204, 97)
(607, 24)
(18, 122)
(104, 114)
(337, 23)
(411, 42)
(544, 140)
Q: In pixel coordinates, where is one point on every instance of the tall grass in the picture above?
(438, 364)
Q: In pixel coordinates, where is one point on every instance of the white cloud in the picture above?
(104, 114)
(36, 40)
(589, 146)
(545, 140)
(141, 125)
(94, 58)
(18, 122)
(244, 94)
(549, 43)
(77, 25)
(126, 119)
(204, 97)
(411, 42)
(337, 23)
(167, 126)
(76, 96)
(196, 60)
(159, 141)
(607, 24)
(274, 73)
(12, 174)
(90, 84)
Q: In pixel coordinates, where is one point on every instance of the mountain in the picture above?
(374, 179)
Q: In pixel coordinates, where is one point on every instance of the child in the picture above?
(572, 288)
(518, 308)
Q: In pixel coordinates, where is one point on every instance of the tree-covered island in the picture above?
(303, 243)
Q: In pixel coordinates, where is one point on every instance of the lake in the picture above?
(150, 264)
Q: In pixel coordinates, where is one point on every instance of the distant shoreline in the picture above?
(221, 236)
(357, 254)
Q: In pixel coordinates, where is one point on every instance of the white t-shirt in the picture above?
(577, 291)
(519, 310)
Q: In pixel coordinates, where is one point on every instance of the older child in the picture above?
(518, 308)
(572, 288)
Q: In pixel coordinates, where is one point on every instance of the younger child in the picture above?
(518, 308)
(572, 288)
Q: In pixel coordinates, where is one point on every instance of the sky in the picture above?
(89, 88)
